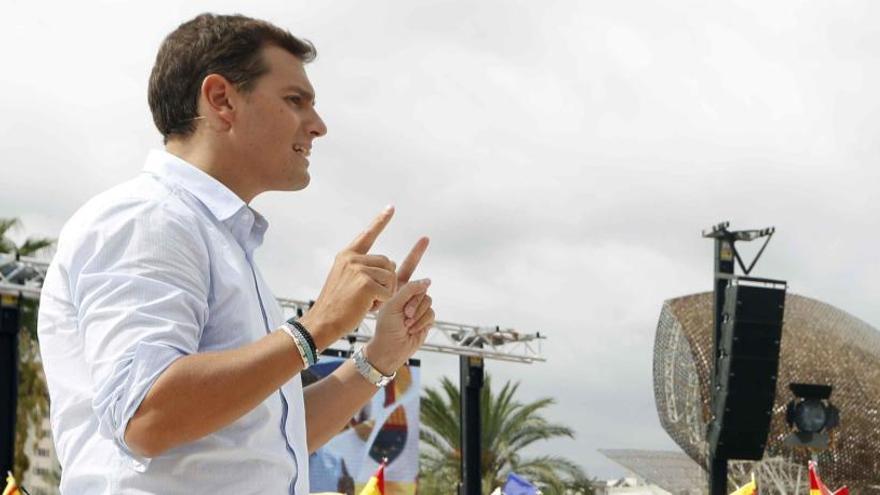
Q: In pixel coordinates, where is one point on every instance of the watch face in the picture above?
(369, 372)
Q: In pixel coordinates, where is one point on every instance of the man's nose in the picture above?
(317, 127)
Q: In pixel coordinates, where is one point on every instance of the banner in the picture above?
(387, 427)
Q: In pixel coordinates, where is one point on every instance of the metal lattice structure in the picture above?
(22, 276)
(498, 343)
(820, 344)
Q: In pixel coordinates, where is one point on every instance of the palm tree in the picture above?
(30, 247)
(508, 427)
(33, 396)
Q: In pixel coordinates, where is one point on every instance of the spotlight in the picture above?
(811, 415)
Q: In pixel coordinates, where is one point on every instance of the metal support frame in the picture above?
(776, 475)
(10, 313)
(723, 265)
(717, 475)
(503, 344)
(471, 380)
(723, 275)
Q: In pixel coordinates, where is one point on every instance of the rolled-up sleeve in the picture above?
(140, 285)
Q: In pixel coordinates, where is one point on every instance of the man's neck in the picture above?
(214, 162)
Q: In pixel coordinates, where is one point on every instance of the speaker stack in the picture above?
(746, 370)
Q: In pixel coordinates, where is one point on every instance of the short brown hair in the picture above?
(228, 45)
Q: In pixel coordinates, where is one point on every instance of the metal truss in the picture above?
(775, 475)
(25, 277)
(504, 344)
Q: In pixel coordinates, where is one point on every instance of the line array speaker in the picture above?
(746, 370)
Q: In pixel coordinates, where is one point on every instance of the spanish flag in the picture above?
(750, 488)
(376, 485)
(11, 485)
(819, 488)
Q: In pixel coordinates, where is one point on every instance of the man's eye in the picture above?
(296, 99)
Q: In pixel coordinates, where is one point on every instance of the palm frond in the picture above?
(30, 246)
(436, 442)
(8, 224)
(507, 428)
(34, 244)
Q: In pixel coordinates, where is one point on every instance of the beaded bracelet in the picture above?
(308, 358)
(307, 335)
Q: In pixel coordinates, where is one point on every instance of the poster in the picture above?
(387, 427)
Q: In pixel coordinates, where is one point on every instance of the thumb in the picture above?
(407, 292)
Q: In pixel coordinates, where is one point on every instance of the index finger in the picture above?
(412, 261)
(364, 241)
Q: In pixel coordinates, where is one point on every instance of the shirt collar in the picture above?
(219, 199)
(245, 224)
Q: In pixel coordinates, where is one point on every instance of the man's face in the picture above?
(276, 124)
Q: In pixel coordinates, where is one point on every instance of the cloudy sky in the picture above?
(563, 157)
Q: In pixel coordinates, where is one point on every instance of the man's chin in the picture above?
(300, 183)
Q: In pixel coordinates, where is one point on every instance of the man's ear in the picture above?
(218, 95)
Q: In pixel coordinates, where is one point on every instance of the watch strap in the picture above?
(369, 372)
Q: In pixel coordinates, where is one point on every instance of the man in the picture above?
(169, 365)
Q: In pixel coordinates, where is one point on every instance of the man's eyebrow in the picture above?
(302, 91)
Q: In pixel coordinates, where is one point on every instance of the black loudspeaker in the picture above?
(746, 370)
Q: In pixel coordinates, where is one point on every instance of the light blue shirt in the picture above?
(152, 270)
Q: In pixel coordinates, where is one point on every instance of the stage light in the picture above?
(811, 415)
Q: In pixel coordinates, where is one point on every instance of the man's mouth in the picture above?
(305, 151)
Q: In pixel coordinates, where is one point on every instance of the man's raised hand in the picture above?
(356, 282)
(394, 341)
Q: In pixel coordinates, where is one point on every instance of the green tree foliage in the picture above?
(508, 427)
(33, 396)
(30, 247)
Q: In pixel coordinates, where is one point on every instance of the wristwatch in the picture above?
(370, 373)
